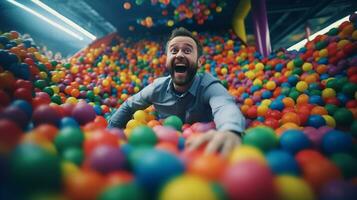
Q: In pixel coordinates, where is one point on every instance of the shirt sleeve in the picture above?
(227, 116)
(139, 101)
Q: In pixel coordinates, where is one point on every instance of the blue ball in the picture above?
(294, 141)
(282, 162)
(293, 80)
(267, 94)
(155, 167)
(23, 105)
(316, 121)
(181, 143)
(68, 122)
(277, 105)
(316, 99)
(336, 141)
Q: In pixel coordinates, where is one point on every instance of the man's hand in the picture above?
(225, 141)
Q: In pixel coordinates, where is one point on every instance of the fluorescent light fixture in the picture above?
(300, 44)
(63, 18)
(45, 19)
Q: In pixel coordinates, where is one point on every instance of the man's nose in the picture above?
(179, 54)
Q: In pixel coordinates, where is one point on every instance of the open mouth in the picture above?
(180, 68)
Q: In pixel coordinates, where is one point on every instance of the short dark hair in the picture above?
(181, 31)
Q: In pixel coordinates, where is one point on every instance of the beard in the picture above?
(183, 78)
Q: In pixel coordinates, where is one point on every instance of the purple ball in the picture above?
(83, 113)
(106, 159)
(16, 115)
(118, 132)
(45, 114)
(338, 190)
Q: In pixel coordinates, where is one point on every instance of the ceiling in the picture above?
(148, 18)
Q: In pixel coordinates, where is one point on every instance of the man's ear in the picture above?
(199, 60)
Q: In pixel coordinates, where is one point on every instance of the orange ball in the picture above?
(288, 102)
(290, 117)
(85, 185)
(209, 166)
(302, 99)
(319, 110)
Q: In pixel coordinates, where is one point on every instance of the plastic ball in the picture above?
(173, 121)
(10, 135)
(130, 191)
(69, 137)
(142, 135)
(294, 141)
(290, 117)
(187, 187)
(208, 166)
(155, 167)
(343, 117)
(106, 159)
(293, 188)
(45, 114)
(242, 181)
(346, 163)
(316, 121)
(34, 168)
(83, 113)
(166, 134)
(282, 162)
(246, 152)
(301, 86)
(336, 141)
(261, 137)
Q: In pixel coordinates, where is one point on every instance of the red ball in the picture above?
(10, 135)
(100, 137)
(244, 179)
(252, 112)
(23, 93)
(271, 122)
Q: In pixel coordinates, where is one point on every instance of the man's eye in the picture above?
(173, 50)
(187, 50)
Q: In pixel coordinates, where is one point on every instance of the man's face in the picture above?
(182, 59)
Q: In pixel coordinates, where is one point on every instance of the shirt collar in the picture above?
(192, 89)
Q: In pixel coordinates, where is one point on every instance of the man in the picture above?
(190, 96)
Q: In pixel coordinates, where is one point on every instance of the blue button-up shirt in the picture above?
(206, 100)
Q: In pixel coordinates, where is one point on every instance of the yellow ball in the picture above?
(257, 82)
(262, 110)
(246, 152)
(323, 53)
(250, 75)
(96, 90)
(55, 78)
(170, 23)
(266, 102)
(328, 93)
(55, 89)
(307, 66)
(69, 168)
(43, 75)
(354, 35)
(290, 65)
(342, 43)
(140, 116)
(293, 188)
(259, 66)
(187, 187)
(270, 85)
(71, 100)
(74, 69)
(133, 123)
(330, 121)
(224, 71)
(301, 86)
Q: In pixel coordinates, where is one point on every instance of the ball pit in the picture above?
(300, 106)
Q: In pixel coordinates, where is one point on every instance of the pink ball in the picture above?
(83, 113)
(45, 114)
(249, 180)
(166, 134)
(202, 127)
(187, 132)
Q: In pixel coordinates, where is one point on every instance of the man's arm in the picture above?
(229, 121)
(139, 101)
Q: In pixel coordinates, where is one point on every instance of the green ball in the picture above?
(298, 62)
(331, 108)
(127, 191)
(69, 137)
(48, 90)
(261, 137)
(174, 122)
(56, 99)
(343, 117)
(67, 65)
(219, 191)
(346, 163)
(321, 44)
(90, 95)
(285, 91)
(294, 94)
(34, 168)
(142, 136)
(332, 32)
(297, 71)
(349, 89)
(40, 84)
(74, 155)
